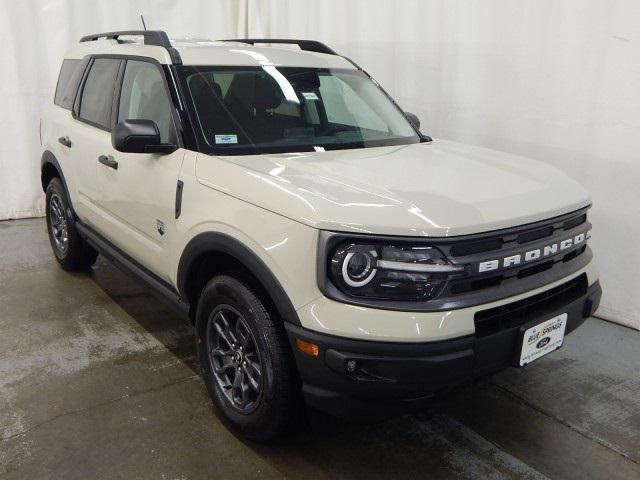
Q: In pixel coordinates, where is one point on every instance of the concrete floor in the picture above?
(98, 380)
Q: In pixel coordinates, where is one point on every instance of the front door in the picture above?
(136, 191)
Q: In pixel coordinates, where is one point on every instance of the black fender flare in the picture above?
(48, 158)
(216, 242)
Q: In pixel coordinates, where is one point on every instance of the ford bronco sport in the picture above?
(325, 249)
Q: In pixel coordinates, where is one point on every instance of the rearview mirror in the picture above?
(413, 118)
(139, 136)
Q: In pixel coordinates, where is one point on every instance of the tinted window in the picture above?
(68, 80)
(143, 96)
(269, 109)
(97, 94)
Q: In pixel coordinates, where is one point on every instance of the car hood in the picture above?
(433, 189)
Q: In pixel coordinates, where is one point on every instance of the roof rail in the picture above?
(309, 45)
(151, 37)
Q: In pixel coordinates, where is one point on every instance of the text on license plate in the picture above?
(542, 338)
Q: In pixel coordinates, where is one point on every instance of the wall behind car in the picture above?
(34, 36)
(558, 81)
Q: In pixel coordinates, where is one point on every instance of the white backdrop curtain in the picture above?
(554, 80)
(33, 38)
(558, 81)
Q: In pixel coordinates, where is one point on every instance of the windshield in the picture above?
(268, 109)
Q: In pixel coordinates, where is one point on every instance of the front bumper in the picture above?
(392, 377)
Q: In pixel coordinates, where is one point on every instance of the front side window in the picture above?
(97, 93)
(248, 110)
(144, 96)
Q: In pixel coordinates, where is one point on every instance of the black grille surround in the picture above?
(475, 287)
(516, 242)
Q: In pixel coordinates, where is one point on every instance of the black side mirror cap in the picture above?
(413, 119)
(139, 136)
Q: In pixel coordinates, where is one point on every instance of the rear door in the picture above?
(58, 124)
(91, 134)
(138, 197)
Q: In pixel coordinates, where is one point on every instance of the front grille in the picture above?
(492, 245)
(517, 313)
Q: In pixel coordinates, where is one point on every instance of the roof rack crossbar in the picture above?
(309, 45)
(151, 37)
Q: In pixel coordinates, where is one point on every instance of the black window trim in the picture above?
(183, 125)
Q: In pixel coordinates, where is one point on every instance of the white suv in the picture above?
(324, 248)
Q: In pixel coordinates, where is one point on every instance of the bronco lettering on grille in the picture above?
(535, 254)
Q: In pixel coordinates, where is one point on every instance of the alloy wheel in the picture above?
(234, 358)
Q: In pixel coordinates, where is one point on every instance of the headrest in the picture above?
(240, 91)
(305, 81)
(201, 88)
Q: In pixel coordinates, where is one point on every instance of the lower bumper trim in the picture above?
(365, 378)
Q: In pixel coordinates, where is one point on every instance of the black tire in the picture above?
(270, 411)
(70, 250)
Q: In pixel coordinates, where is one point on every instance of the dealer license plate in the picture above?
(542, 338)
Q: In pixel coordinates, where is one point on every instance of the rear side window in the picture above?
(68, 80)
(97, 93)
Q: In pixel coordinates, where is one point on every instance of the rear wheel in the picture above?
(70, 250)
(245, 360)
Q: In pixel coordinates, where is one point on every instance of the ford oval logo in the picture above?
(543, 342)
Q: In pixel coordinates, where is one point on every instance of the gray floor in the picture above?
(98, 380)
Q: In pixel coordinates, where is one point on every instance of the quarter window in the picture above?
(68, 80)
(144, 96)
(97, 94)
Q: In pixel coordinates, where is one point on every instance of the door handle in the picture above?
(65, 141)
(109, 161)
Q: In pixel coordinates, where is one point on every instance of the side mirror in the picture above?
(139, 136)
(415, 121)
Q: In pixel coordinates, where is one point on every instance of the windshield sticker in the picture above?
(226, 139)
(309, 95)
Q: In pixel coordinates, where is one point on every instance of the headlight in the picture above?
(389, 271)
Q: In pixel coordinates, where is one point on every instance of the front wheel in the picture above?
(245, 360)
